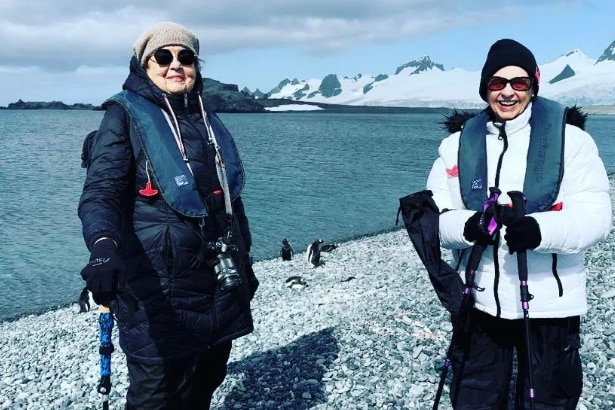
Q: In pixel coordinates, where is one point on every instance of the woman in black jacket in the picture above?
(163, 218)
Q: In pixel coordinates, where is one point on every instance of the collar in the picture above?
(514, 125)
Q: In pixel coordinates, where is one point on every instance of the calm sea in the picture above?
(309, 176)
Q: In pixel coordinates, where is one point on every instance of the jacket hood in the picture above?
(455, 121)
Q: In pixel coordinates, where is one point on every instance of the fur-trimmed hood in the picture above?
(455, 121)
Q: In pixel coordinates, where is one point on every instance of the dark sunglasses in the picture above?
(517, 83)
(165, 57)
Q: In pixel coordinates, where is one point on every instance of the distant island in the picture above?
(219, 96)
(51, 105)
(227, 98)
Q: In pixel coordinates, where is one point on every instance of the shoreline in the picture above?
(599, 109)
(318, 107)
(72, 304)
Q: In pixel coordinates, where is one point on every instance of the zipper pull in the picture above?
(185, 100)
(502, 128)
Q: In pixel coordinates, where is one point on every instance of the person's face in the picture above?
(509, 99)
(172, 76)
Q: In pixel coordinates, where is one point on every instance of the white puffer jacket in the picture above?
(584, 220)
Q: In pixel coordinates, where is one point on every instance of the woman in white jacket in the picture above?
(521, 142)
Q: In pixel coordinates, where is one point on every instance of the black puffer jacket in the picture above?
(169, 304)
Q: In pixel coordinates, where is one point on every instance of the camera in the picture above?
(227, 275)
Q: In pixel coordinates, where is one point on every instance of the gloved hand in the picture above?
(522, 234)
(102, 271)
(252, 280)
(475, 230)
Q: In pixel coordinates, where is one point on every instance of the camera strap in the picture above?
(220, 167)
(174, 126)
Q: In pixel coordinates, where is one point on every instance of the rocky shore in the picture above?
(367, 332)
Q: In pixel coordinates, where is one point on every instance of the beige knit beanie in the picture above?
(161, 35)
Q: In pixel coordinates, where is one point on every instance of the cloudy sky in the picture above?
(78, 51)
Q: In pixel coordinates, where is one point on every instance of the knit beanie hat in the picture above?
(507, 52)
(161, 35)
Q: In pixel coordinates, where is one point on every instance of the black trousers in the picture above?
(482, 364)
(185, 385)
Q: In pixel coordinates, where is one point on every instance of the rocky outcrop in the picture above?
(608, 55)
(330, 86)
(222, 97)
(567, 72)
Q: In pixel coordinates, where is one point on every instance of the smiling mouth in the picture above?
(508, 103)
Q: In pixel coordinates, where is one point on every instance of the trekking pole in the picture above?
(105, 321)
(473, 261)
(518, 202)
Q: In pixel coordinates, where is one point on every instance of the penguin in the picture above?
(84, 301)
(313, 254)
(328, 247)
(287, 250)
(295, 282)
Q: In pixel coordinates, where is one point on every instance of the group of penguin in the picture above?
(312, 254)
(286, 253)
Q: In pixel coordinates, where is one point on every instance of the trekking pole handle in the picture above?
(518, 203)
(489, 219)
(105, 321)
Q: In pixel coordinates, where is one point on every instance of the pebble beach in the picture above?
(367, 332)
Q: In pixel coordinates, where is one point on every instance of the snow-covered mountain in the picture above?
(573, 78)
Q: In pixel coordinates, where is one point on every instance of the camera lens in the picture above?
(226, 273)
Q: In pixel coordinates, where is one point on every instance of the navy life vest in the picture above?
(545, 158)
(150, 130)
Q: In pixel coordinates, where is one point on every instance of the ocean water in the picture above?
(309, 175)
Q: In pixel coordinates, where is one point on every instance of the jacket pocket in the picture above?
(569, 370)
(559, 375)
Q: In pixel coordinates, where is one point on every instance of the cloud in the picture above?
(63, 35)
(57, 40)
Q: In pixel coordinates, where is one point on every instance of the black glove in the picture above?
(522, 234)
(475, 230)
(252, 280)
(102, 271)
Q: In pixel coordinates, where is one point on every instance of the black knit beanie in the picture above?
(507, 52)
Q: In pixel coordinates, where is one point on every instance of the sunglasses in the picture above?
(165, 57)
(517, 83)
